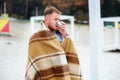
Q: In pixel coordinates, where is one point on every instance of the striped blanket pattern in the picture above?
(48, 59)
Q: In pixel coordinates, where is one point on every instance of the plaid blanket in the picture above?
(48, 59)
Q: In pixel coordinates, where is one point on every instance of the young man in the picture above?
(51, 53)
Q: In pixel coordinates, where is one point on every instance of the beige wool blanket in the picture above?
(48, 59)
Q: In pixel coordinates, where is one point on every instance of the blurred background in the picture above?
(14, 44)
(24, 9)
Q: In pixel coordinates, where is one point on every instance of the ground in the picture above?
(13, 52)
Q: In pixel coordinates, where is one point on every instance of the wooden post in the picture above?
(4, 7)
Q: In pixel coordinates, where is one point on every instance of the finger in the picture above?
(63, 22)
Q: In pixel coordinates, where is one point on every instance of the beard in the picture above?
(53, 30)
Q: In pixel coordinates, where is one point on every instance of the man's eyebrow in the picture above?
(57, 19)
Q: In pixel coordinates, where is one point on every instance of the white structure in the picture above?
(62, 17)
(96, 39)
(116, 20)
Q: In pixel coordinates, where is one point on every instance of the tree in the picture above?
(108, 8)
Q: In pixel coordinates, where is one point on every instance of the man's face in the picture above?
(53, 19)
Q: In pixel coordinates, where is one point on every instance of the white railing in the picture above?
(116, 20)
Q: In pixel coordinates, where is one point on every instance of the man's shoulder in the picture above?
(42, 34)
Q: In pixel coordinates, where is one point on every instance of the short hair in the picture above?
(50, 10)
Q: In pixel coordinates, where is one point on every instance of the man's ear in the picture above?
(46, 19)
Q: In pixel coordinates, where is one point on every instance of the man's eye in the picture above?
(57, 19)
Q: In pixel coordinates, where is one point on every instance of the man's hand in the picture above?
(62, 29)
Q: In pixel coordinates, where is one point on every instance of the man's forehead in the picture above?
(55, 15)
